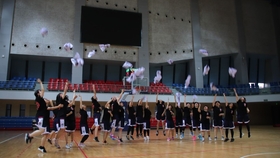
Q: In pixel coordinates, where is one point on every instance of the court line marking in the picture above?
(10, 138)
(257, 154)
(83, 152)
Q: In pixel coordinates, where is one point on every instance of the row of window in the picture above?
(8, 112)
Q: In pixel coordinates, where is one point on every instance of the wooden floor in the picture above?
(264, 142)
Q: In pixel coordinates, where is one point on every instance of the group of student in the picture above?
(112, 116)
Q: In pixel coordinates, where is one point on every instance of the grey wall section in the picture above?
(1, 5)
(32, 15)
(170, 30)
(276, 63)
(240, 60)
(51, 71)
(258, 26)
(98, 72)
(196, 64)
(218, 26)
(143, 52)
(6, 24)
(65, 71)
(35, 69)
(77, 72)
(113, 72)
(17, 68)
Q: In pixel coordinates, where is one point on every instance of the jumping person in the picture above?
(187, 115)
(229, 124)
(96, 114)
(120, 121)
(159, 110)
(147, 123)
(61, 99)
(107, 114)
(70, 122)
(114, 105)
(83, 123)
(131, 119)
(195, 119)
(242, 114)
(139, 117)
(169, 121)
(205, 121)
(179, 119)
(42, 117)
(218, 114)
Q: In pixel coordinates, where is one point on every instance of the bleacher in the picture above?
(19, 83)
(275, 87)
(241, 89)
(57, 84)
(14, 123)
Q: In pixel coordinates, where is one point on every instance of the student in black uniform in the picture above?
(83, 123)
(229, 124)
(147, 123)
(114, 105)
(218, 114)
(168, 112)
(195, 119)
(61, 99)
(70, 122)
(120, 121)
(96, 114)
(178, 119)
(42, 117)
(242, 114)
(131, 119)
(139, 117)
(159, 110)
(107, 114)
(187, 115)
(205, 121)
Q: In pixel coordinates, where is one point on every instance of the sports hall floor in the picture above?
(264, 142)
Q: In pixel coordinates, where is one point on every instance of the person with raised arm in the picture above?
(131, 119)
(160, 106)
(229, 124)
(178, 119)
(218, 114)
(205, 117)
(107, 114)
(60, 124)
(147, 121)
(187, 114)
(83, 123)
(114, 105)
(168, 112)
(97, 109)
(195, 119)
(242, 113)
(71, 121)
(42, 117)
(139, 117)
(120, 121)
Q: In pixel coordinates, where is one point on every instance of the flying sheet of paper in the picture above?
(127, 65)
(203, 51)
(206, 70)
(188, 81)
(68, 46)
(91, 53)
(44, 31)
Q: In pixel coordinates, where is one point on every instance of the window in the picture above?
(8, 110)
(22, 110)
